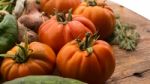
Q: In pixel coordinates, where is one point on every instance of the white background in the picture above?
(141, 7)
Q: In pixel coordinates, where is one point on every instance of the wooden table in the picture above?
(132, 67)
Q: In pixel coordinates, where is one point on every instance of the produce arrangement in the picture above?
(70, 39)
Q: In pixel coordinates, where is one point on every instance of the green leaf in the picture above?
(125, 36)
(89, 50)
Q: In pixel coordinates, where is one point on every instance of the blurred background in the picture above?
(139, 6)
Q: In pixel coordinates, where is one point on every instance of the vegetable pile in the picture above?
(72, 38)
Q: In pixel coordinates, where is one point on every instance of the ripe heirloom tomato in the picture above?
(49, 6)
(100, 14)
(90, 60)
(62, 28)
(37, 59)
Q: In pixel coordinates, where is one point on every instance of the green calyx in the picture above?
(92, 3)
(88, 42)
(23, 53)
(62, 18)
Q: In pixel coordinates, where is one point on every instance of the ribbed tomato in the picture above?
(100, 14)
(61, 29)
(38, 59)
(49, 6)
(90, 60)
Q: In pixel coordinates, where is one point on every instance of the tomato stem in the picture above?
(62, 18)
(91, 3)
(88, 42)
(6, 55)
(23, 52)
(21, 55)
(69, 15)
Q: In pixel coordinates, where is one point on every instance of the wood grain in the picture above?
(132, 67)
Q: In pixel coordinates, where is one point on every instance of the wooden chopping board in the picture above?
(132, 67)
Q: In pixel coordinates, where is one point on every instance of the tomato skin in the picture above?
(94, 68)
(41, 61)
(101, 15)
(56, 34)
(49, 6)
